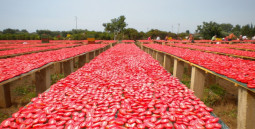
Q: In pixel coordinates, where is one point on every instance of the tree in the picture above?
(227, 27)
(131, 33)
(116, 26)
(236, 30)
(187, 32)
(10, 31)
(207, 30)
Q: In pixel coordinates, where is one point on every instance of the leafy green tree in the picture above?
(247, 30)
(209, 29)
(116, 26)
(131, 33)
(10, 31)
(236, 30)
(227, 27)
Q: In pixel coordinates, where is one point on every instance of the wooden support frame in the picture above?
(82, 60)
(68, 67)
(160, 58)
(97, 52)
(167, 62)
(5, 95)
(87, 57)
(42, 80)
(178, 69)
(197, 83)
(91, 55)
(246, 111)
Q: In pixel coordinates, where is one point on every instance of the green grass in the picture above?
(213, 95)
(23, 90)
(56, 77)
(186, 80)
(217, 90)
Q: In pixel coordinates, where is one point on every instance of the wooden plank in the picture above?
(82, 60)
(5, 95)
(42, 80)
(91, 55)
(68, 67)
(197, 82)
(246, 109)
(178, 69)
(87, 57)
(167, 62)
(97, 53)
(160, 58)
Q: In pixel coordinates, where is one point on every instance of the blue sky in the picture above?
(142, 15)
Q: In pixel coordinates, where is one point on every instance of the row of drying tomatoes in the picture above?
(236, 68)
(217, 49)
(32, 49)
(232, 46)
(15, 66)
(123, 87)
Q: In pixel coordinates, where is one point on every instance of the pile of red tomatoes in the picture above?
(123, 87)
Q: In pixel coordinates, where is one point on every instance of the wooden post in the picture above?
(160, 58)
(147, 50)
(74, 62)
(141, 46)
(110, 44)
(57, 67)
(68, 67)
(154, 55)
(246, 109)
(42, 80)
(167, 62)
(97, 53)
(87, 57)
(101, 50)
(82, 60)
(91, 55)
(197, 81)
(5, 95)
(178, 69)
(150, 51)
(61, 67)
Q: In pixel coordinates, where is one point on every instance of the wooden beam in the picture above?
(246, 109)
(82, 60)
(87, 57)
(197, 83)
(42, 80)
(68, 67)
(178, 69)
(167, 62)
(5, 96)
(160, 57)
(91, 55)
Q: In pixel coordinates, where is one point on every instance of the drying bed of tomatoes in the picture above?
(33, 49)
(15, 46)
(232, 46)
(216, 49)
(123, 87)
(15, 66)
(235, 68)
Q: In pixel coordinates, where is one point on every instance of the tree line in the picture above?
(117, 29)
(209, 29)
